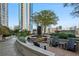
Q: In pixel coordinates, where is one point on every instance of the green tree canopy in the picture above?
(75, 6)
(45, 18)
(4, 30)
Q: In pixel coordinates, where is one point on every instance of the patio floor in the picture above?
(62, 52)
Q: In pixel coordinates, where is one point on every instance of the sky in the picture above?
(63, 13)
(13, 14)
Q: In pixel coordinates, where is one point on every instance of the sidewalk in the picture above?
(7, 48)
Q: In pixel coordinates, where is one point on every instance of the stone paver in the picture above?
(7, 48)
(61, 52)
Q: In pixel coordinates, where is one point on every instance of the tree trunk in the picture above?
(44, 29)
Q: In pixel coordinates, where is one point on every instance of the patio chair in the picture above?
(28, 39)
(44, 47)
(55, 42)
(71, 44)
(36, 44)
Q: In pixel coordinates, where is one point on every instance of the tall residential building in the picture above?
(25, 11)
(4, 14)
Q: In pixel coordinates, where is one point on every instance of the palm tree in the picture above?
(75, 11)
(45, 18)
(36, 18)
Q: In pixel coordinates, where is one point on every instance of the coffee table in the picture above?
(62, 44)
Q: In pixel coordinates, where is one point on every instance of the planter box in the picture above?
(31, 50)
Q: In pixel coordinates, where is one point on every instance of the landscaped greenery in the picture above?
(5, 31)
(66, 35)
(45, 18)
(22, 34)
(63, 35)
(16, 31)
(22, 39)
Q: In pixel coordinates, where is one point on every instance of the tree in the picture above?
(75, 11)
(45, 18)
(5, 31)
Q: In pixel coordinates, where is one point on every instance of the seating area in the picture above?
(32, 40)
(62, 47)
(36, 44)
(70, 44)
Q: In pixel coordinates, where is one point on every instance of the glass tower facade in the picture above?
(31, 21)
(4, 14)
(25, 12)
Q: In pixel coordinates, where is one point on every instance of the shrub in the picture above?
(21, 35)
(54, 34)
(22, 39)
(63, 35)
(5, 31)
(6, 35)
(71, 35)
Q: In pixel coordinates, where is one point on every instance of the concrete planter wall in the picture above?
(31, 50)
(0, 37)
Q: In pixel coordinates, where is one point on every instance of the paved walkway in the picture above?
(61, 52)
(7, 48)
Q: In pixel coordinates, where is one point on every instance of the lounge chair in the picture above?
(71, 44)
(55, 42)
(36, 44)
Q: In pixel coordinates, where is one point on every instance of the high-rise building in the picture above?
(4, 14)
(25, 11)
